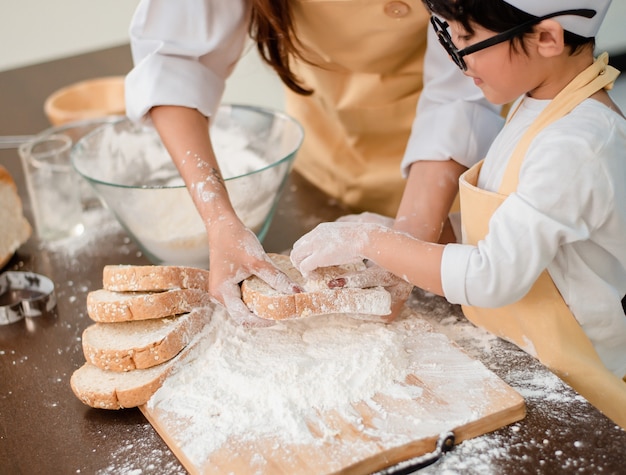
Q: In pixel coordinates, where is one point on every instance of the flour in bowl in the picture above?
(150, 199)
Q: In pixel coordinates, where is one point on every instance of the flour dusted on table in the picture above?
(251, 382)
(247, 384)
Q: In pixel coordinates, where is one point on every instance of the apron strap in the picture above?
(596, 77)
(542, 317)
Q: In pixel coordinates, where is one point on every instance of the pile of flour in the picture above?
(246, 384)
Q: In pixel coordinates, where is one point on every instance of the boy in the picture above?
(543, 259)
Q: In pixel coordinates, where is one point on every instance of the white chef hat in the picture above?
(586, 27)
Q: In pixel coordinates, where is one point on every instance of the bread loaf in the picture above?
(317, 299)
(104, 389)
(15, 228)
(147, 321)
(107, 306)
(126, 346)
(126, 278)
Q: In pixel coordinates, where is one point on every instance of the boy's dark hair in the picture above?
(496, 16)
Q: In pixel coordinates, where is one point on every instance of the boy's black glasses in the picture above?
(441, 28)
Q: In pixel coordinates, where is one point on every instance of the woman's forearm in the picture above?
(185, 134)
(430, 191)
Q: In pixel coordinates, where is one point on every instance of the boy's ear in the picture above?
(550, 38)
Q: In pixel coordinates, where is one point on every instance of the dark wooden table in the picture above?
(44, 428)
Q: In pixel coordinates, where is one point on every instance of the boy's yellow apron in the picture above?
(367, 60)
(542, 319)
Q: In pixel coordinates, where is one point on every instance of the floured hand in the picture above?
(332, 244)
(235, 251)
(336, 243)
(344, 242)
(234, 257)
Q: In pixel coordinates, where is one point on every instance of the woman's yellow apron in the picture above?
(367, 60)
(542, 318)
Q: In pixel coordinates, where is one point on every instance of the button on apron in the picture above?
(397, 9)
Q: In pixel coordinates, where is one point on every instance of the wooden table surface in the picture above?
(44, 428)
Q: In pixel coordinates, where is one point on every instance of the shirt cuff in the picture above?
(180, 82)
(454, 265)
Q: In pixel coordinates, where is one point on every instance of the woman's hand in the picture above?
(237, 254)
(235, 251)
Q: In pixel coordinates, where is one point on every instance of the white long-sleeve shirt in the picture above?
(184, 50)
(568, 215)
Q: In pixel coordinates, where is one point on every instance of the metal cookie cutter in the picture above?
(25, 294)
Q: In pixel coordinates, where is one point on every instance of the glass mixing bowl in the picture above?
(134, 177)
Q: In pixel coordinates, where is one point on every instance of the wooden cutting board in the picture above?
(450, 392)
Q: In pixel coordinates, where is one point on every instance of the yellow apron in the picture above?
(542, 318)
(367, 77)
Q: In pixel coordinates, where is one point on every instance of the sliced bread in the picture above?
(15, 228)
(317, 299)
(127, 278)
(141, 344)
(104, 389)
(107, 306)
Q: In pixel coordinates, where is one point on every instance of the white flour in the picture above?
(555, 449)
(165, 221)
(248, 384)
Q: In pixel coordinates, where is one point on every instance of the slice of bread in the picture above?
(126, 346)
(15, 228)
(317, 299)
(104, 389)
(126, 278)
(107, 306)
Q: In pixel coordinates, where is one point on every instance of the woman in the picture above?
(354, 72)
